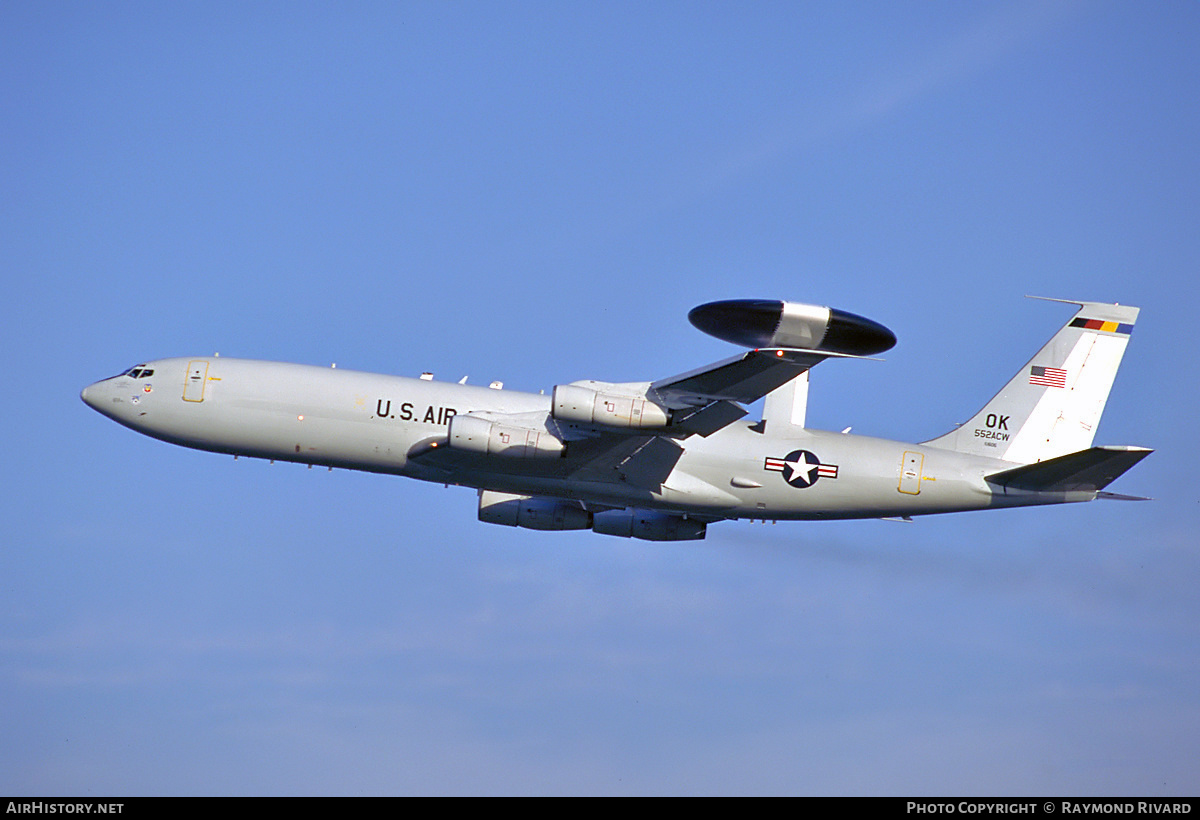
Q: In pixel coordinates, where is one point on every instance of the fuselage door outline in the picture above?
(910, 472)
(196, 379)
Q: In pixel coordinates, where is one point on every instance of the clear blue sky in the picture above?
(537, 193)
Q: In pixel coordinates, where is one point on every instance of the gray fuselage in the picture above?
(391, 424)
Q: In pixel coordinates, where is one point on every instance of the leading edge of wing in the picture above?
(745, 378)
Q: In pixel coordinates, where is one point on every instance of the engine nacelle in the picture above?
(766, 323)
(648, 525)
(593, 405)
(534, 513)
(478, 435)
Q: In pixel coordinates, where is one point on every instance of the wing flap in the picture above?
(709, 419)
(643, 461)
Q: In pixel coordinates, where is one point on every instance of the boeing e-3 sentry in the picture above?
(661, 460)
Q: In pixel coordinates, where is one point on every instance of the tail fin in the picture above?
(1053, 404)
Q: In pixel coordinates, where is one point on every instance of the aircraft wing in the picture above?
(643, 461)
(637, 460)
(743, 379)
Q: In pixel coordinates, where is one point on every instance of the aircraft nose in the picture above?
(91, 395)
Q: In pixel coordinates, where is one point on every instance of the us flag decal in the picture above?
(1048, 376)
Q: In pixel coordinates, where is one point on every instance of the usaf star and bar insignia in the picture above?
(801, 468)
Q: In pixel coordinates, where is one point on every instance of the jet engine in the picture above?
(648, 525)
(478, 435)
(762, 323)
(533, 513)
(589, 402)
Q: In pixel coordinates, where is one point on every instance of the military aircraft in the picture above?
(661, 460)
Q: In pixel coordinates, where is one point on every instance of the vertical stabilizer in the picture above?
(1052, 406)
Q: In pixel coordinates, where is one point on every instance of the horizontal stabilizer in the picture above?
(1087, 470)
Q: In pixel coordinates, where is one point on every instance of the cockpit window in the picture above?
(138, 371)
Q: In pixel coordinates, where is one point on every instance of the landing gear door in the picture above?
(193, 384)
(910, 473)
